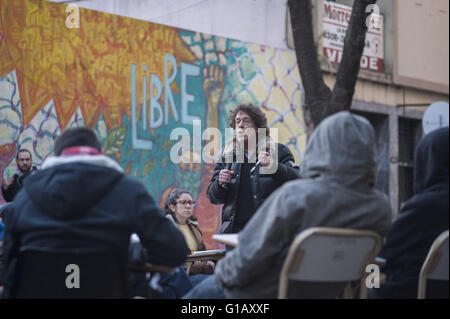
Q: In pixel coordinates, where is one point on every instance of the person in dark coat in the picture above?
(420, 221)
(80, 202)
(251, 168)
(11, 186)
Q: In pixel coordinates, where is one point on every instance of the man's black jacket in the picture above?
(262, 185)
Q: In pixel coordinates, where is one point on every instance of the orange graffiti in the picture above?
(87, 67)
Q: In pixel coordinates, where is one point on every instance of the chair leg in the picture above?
(188, 269)
(363, 288)
(422, 288)
(282, 288)
(348, 291)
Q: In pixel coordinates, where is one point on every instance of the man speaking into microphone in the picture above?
(251, 167)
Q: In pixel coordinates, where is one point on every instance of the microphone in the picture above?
(227, 185)
(254, 167)
(258, 163)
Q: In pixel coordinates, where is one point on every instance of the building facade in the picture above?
(142, 73)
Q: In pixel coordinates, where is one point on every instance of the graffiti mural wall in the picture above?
(134, 82)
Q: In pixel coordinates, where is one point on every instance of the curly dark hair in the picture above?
(258, 117)
(172, 200)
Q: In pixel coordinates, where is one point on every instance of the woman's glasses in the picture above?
(185, 202)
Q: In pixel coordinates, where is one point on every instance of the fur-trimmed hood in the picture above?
(67, 186)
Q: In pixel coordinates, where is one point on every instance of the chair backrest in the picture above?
(328, 255)
(70, 275)
(435, 265)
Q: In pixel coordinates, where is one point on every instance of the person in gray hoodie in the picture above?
(337, 191)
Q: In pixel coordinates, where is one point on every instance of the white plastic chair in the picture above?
(435, 265)
(329, 255)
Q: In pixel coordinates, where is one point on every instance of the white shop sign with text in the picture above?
(335, 20)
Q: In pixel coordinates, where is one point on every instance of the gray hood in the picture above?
(342, 148)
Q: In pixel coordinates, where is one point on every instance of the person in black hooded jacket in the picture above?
(81, 202)
(421, 220)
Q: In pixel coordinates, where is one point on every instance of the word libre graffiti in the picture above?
(157, 113)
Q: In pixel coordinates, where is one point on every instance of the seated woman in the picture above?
(179, 208)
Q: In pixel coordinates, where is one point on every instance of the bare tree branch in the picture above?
(316, 91)
(347, 74)
(320, 100)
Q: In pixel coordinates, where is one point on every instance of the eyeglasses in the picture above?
(185, 201)
(246, 122)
